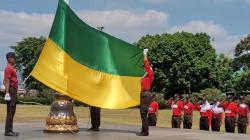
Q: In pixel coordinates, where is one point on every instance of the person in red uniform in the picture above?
(188, 113)
(217, 115)
(231, 110)
(146, 96)
(243, 115)
(205, 113)
(11, 85)
(177, 108)
(153, 112)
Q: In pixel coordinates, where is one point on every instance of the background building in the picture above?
(1, 80)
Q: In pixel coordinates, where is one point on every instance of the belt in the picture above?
(204, 117)
(230, 117)
(187, 114)
(242, 116)
(146, 90)
(217, 115)
(176, 115)
(151, 113)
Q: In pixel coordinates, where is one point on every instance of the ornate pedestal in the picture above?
(61, 118)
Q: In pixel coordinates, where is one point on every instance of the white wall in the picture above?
(1, 80)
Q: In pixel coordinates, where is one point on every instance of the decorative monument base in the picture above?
(61, 118)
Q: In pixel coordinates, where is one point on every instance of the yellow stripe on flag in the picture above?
(58, 70)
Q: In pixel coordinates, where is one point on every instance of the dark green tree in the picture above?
(242, 54)
(223, 73)
(28, 51)
(242, 82)
(182, 62)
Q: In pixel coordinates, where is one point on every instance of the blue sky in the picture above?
(225, 20)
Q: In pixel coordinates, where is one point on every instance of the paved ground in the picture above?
(34, 131)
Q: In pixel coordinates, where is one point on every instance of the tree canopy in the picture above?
(28, 51)
(242, 54)
(185, 62)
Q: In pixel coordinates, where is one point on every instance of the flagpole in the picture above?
(67, 1)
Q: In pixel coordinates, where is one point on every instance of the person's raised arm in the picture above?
(147, 66)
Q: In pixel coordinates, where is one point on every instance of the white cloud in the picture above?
(196, 26)
(15, 26)
(128, 25)
(125, 24)
(223, 41)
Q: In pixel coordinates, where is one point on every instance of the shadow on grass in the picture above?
(84, 130)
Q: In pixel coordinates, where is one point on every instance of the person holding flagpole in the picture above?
(146, 96)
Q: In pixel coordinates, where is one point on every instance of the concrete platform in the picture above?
(34, 131)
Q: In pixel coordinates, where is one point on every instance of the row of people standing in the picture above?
(236, 112)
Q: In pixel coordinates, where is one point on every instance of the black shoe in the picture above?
(11, 134)
(142, 134)
(90, 129)
(93, 129)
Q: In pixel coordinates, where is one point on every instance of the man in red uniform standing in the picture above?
(217, 115)
(146, 96)
(205, 113)
(11, 85)
(231, 110)
(243, 117)
(177, 107)
(188, 113)
(153, 112)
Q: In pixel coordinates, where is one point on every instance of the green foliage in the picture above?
(160, 98)
(43, 101)
(242, 54)
(182, 62)
(242, 82)
(28, 51)
(211, 93)
(223, 73)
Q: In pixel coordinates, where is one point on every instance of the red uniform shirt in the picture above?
(176, 107)
(148, 78)
(243, 110)
(203, 112)
(231, 109)
(188, 108)
(10, 73)
(153, 107)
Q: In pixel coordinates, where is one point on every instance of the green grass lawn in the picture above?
(28, 113)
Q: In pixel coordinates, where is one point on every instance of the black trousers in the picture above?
(242, 125)
(176, 121)
(230, 124)
(152, 119)
(204, 123)
(216, 123)
(95, 114)
(11, 110)
(146, 99)
(187, 122)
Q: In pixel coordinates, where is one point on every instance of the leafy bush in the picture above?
(29, 100)
(160, 98)
(211, 93)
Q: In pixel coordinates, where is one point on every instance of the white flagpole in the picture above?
(67, 1)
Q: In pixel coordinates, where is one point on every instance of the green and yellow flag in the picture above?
(89, 65)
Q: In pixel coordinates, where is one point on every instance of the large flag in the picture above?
(89, 65)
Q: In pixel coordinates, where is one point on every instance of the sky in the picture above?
(227, 21)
